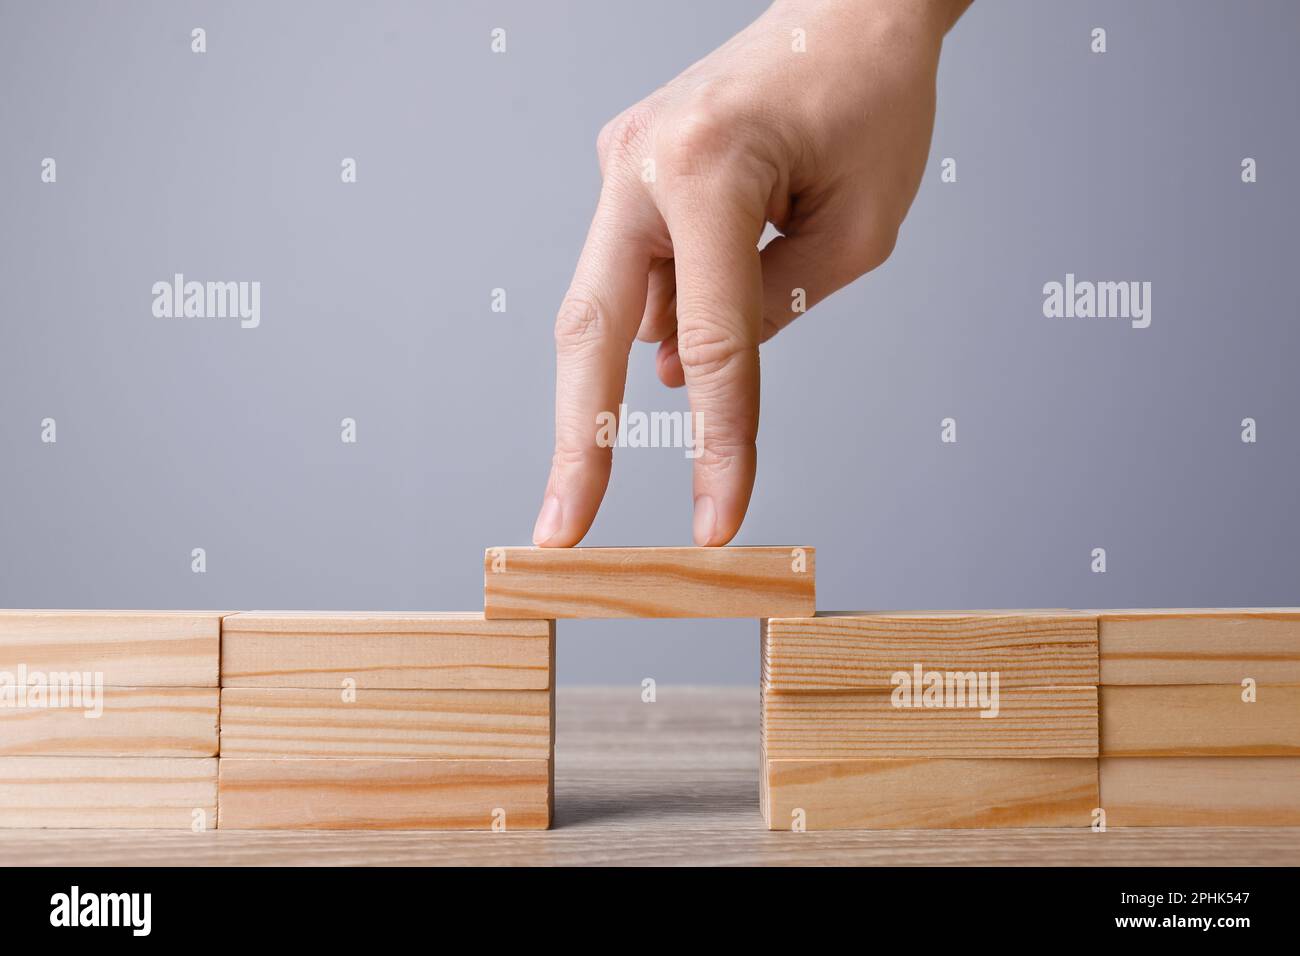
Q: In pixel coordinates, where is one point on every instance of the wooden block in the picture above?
(1200, 646)
(130, 648)
(131, 721)
(1030, 722)
(862, 650)
(258, 794)
(108, 792)
(922, 793)
(1201, 791)
(648, 582)
(1205, 720)
(315, 722)
(390, 651)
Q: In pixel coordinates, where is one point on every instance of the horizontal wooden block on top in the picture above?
(1200, 646)
(649, 582)
(390, 651)
(862, 650)
(108, 792)
(318, 722)
(1200, 791)
(129, 648)
(924, 793)
(1208, 720)
(1028, 722)
(117, 721)
(342, 794)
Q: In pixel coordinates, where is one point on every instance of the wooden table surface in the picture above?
(669, 783)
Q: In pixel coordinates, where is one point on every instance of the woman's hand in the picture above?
(817, 118)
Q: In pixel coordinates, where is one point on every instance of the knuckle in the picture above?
(695, 138)
(577, 453)
(722, 456)
(709, 351)
(577, 323)
(625, 134)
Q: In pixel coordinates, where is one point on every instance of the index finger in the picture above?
(594, 331)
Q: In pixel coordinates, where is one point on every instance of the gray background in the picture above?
(478, 170)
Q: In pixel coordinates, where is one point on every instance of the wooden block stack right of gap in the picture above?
(1200, 717)
(334, 720)
(841, 751)
(1196, 720)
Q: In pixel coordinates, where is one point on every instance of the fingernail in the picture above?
(548, 521)
(706, 519)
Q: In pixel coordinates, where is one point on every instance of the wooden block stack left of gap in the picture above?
(334, 720)
(108, 719)
(893, 720)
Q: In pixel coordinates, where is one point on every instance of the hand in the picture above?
(828, 144)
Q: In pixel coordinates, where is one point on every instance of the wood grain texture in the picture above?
(945, 794)
(1199, 720)
(861, 650)
(1201, 791)
(1209, 646)
(383, 794)
(648, 582)
(1031, 722)
(132, 721)
(113, 792)
(674, 783)
(667, 832)
(315, 722)
(130, 648)
(388, 651)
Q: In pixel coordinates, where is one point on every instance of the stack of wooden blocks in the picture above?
(386, 721)
(333, 720)
(1031, 718)
(1200, 718)
(275, 720)
(929, 720)
(108, 719)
